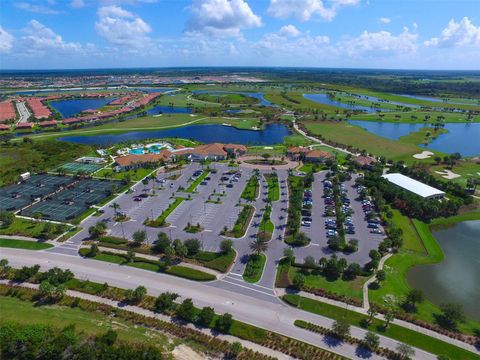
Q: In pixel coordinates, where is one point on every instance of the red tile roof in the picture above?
(7, 111)
(318, 154)
(25, 125)
(143, 158)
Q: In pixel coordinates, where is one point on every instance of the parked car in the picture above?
(376, 231)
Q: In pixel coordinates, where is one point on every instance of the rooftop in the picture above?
(413, 185)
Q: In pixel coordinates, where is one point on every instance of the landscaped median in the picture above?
(254, 268)
(393, 331)
(197, 181)
(273, 187)
(150, 265)
(251, 190)
(24, 244)
(241, 225)
(218, 261)
(266, 227)
(161, 220)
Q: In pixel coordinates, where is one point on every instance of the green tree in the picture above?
(299, 280)
(162, 242)
(6, 219)
(371, 340)
(135, 296)
(226, 246)
(139, 237)
(451, 315)
(193, 246)
(413, 297)
(186, 311)
(258, 246)
(165, 302)
(236, 348)
(341, 328)
(206, 316)
(405, 351)
(224, 323)
(372, 312)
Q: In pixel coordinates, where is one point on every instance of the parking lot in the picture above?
(212, 204)
(320, 223)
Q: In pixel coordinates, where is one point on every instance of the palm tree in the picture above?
(115, 207)
(258, 246)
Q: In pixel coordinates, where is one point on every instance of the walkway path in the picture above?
(138, 310)
(275, 316)
(366, 303)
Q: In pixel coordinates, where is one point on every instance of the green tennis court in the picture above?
(76, 167)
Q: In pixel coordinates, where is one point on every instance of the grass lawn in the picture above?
(251, 189)
(134, 174)
(92, 323)
(350, 289)
(24, 244)
(468, 169)
(216, 261)
(139, 263)
(25, 227)
(254, 268)
(394, 331)
(273, 186)
(197, 181)
(357, 137)
(266, 227)
(411, 239)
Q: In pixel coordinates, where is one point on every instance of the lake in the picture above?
(461, 137)
(256, 95)
(326, 100)
(270, 135)
(457, 278)
(168, 110)
(68, 108)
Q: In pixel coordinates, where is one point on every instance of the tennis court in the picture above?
(73, 201)
(16, 196)
(76, 167)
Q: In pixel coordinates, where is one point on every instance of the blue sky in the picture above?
(404, 34)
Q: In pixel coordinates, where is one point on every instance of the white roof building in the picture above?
(423, 190)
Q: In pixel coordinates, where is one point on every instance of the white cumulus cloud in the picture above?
(39, 9)
(40, 38)
(121, 27)
(289, 30)
(222, 18)
(457, 34)
(304, 10)
(384, 20)
(381, 41)
(6, 41)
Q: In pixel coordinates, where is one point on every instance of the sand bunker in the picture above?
(447, 174)
(423, 155)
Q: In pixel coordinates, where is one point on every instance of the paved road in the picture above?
(275, 316)
(23, 111)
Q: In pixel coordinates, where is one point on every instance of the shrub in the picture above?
(224, 323)
(206, 316)
(186, 311)
(193, 246)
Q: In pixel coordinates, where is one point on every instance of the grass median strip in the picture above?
(197, 181)
(250, 192)
(155, 266)
(24, 244)
(241, 225)
(273, 187)
(393, 331)
(254, 269)
(161, 220)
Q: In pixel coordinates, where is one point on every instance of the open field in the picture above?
(359, 138)
(92, 323)
(418, 116)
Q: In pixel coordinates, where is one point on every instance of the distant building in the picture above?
(47, 123)
(212, 151)
(317, 156)
(91, 160)
(135, 161)
(416, 187)
(365, 161)
(296, 153)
